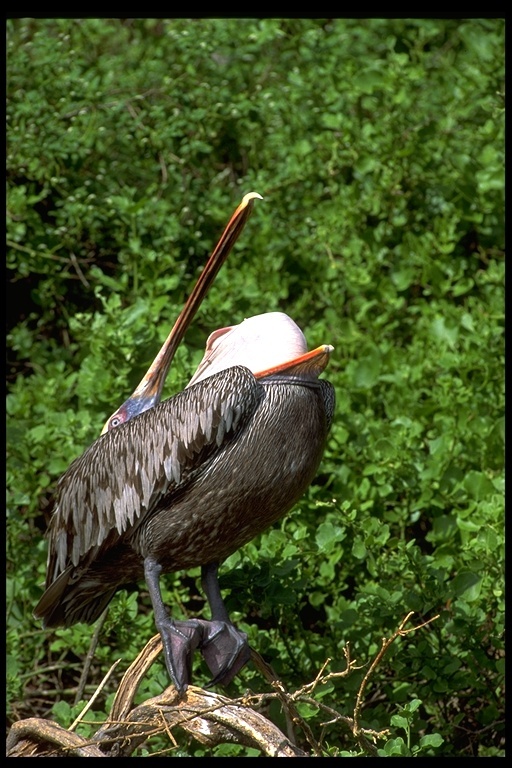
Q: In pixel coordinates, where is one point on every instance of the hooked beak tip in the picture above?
(251, 196)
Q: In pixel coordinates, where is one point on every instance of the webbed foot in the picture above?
(180, 639)
(225, 650)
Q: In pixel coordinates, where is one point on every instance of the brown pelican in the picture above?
(188, 481)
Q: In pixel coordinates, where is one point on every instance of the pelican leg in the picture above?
(179, 638)
(225, 648)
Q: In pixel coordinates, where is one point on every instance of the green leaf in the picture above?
(431, 740)
(359, 549)
(478, 485)
(367, 371)
(467, 584)
(400, 722)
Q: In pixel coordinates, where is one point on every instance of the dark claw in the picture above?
(225, 650)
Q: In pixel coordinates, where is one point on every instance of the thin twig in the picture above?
(79, 272)
(93, 697)
(386, 643)
(90, 656)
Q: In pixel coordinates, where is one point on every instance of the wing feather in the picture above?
(124, 474)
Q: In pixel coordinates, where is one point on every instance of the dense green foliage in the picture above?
(378, 145)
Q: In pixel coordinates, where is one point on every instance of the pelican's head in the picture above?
(266, 344)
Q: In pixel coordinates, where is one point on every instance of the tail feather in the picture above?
(64, 603)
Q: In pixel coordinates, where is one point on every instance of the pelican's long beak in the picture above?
(149, 391)
(310, 363)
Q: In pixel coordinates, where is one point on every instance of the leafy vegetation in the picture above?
(378, 146)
